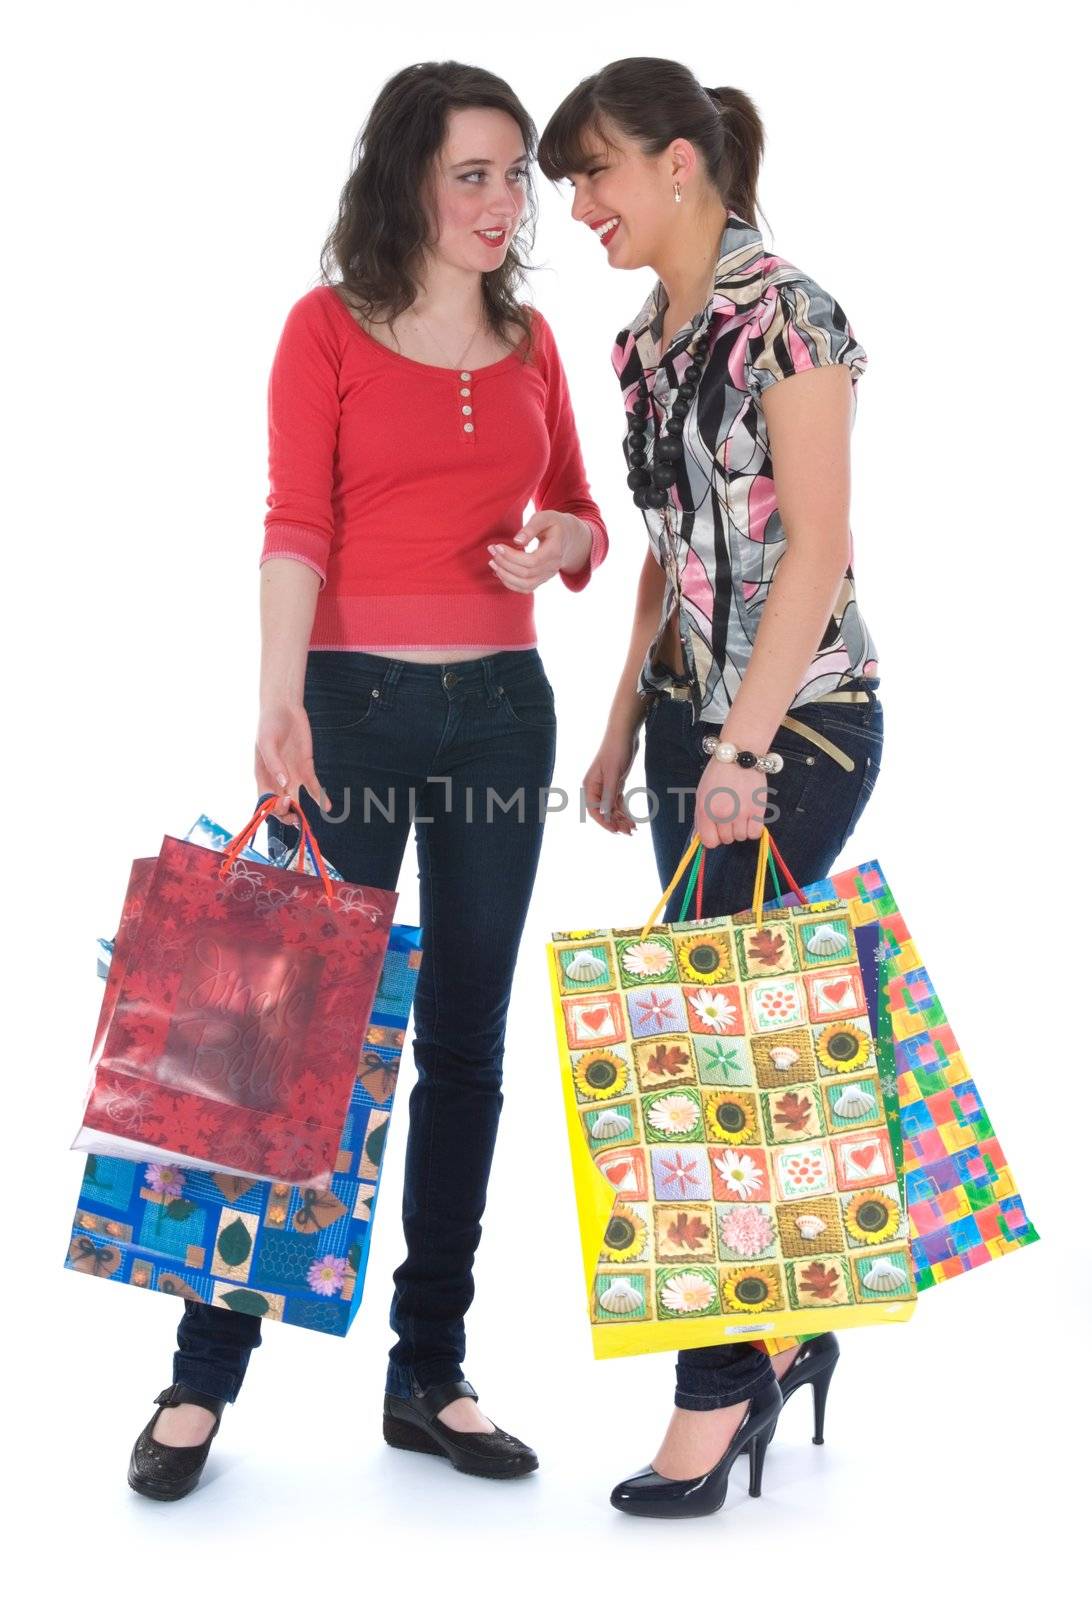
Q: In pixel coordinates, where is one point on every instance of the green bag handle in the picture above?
(695, 877)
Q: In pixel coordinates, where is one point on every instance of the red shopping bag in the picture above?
(237, 999)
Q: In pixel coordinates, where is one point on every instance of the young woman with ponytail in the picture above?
(747, 641)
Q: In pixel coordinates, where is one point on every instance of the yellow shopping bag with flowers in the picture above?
(734, 1172)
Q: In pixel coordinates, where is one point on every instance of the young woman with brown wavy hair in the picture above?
(416, 407)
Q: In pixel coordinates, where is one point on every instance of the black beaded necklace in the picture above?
(650, 486)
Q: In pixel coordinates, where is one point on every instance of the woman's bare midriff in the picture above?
(429, 658)
(670, 651)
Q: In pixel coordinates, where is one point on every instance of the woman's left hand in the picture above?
(730, 803)
(564, 541)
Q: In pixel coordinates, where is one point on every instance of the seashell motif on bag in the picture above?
(586, 968)
(884, 1275)
(620, 1298)
(854, 1102)
(826, 940)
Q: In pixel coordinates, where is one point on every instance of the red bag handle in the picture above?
(308, 842)
(778, 857)
(789, 879)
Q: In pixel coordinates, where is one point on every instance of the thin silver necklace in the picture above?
(454, 365)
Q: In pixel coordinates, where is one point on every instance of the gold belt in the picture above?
(679, 691)
(845, 697)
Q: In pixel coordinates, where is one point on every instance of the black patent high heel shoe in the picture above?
(649, 1494)
(815, 1363)
(168, 1471)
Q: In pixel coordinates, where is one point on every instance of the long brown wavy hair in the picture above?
(655, 101)
(384, 223)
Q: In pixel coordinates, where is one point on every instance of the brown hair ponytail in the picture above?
(744, 141)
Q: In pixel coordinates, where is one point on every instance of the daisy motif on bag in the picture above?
(714, 1011)
(740, 1174)
(326, 1275)
(674, 1113)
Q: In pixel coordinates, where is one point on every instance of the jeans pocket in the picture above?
(529, 701)
(342, 710)
(790, 790)
(862, 737)
(868, 783)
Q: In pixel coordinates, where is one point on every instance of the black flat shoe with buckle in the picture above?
(167, 1471)
(414, 1425)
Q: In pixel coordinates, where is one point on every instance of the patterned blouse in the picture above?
(720, 537)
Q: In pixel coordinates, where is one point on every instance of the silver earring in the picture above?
(678, 195)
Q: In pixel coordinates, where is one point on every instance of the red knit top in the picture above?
(390, 477)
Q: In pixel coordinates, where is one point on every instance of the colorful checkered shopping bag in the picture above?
(961, 1197)
(733, 1164)
(963, 1202)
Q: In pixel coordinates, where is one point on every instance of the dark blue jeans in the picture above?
(819, 804)
(463, 754)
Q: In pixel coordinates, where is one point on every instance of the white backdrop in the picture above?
(173, 170)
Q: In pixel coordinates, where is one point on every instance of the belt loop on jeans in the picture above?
(855, 697)
(491, 678)
(394, 671)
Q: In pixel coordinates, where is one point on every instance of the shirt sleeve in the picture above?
(799, 326)
(564, 484)
(304, 411)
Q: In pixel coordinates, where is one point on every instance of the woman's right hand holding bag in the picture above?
(283, 753)
(284, 757)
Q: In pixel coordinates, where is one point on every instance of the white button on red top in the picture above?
(466, 410)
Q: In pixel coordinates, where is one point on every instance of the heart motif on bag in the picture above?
(837, 993)
(595, 1019)
(620, 1173)
(864, 1158)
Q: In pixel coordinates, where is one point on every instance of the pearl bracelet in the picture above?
(723, 751)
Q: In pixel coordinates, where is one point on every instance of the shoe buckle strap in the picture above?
(439, 1395)
(180, 1394)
